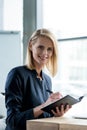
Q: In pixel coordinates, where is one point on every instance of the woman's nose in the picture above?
(45, 52)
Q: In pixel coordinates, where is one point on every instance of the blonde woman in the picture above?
(27, 87)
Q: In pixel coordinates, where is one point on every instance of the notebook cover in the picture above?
(65, 100)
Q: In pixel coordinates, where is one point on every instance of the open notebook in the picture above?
(65, 100)
(79, 110)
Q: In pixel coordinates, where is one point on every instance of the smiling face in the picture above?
(42, 51)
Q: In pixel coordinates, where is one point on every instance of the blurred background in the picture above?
(68, 21)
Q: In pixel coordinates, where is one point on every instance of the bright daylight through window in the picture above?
(67, 18)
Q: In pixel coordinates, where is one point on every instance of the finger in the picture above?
(62, 110)
(67, 108)
(57, 110)
(56, 113)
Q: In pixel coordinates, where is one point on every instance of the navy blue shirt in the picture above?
(24, 91)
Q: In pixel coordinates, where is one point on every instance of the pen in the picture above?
(49, 91)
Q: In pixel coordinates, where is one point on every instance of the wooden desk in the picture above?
(57, 123)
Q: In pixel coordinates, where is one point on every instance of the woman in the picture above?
(27, 86)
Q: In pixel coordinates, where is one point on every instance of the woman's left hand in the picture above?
(60, 111)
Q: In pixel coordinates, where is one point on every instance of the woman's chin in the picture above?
(42, 64)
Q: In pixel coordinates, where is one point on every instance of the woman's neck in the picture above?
(39, 74)
(38, 70)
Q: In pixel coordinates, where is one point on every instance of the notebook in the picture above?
(65, 100)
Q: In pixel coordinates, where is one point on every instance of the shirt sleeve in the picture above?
(16, 117)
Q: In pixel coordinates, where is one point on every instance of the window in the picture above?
(68, 21)
(67, 18)
(13, 15)
(72, 74)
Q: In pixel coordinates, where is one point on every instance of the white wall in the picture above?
(10, 54)
(1, 14)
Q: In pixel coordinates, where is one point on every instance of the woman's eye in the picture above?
(50, 49)
(41, 47)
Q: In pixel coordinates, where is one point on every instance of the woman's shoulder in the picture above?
(19, 70)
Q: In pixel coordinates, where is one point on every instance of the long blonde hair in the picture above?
(52, 64)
